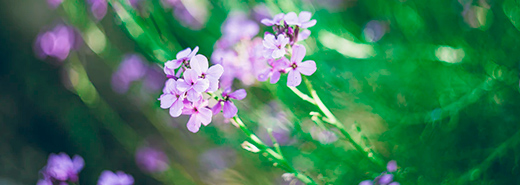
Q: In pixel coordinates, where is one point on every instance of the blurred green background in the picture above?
(432, 84)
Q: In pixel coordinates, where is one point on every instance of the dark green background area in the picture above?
(444, 123)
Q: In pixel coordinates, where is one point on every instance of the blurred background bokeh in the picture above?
(432, 85)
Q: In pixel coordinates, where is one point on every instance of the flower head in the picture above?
(275, 47)
(172, 98)
(199, 63)
(229, 110)
(61, 167)
(303, 20)
(132, 68)
(193, 85)
(200, 114)
(277, 67)
(297, 66)
(57, 42)
(151, 159)
(182, 57)
(275, 21)
(118, 178)
(98, 8)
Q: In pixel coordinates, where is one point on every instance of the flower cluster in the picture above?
(386, 178)
(57, 43)
(61, 169)
(133, 68)
(288, 29)
(189, 79)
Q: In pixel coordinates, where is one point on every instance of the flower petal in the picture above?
(304, 35)
(205, 116)
(183, 54)
(193, 95)
(294, 78)
(269, 41)
(193, 123)
(176, 109)
(309, 24)
(238, 94)
(199, 63)
(190, 76)
(307, 68)
(291, 18)
(264, 75)
(277, 53)
(298, 52)
(230, 110)
(267, 22)
(304, 16)
(366, 182)
(201, 85)
(217, 107)
(78, 163)
(194, 52)
(173, 64)
(182, 86)
(167, 100)
(275, 77)
(215, 71)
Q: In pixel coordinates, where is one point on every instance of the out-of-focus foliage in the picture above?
(432, 84)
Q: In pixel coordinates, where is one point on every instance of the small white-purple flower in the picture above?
(275, 47)
(229, 109)
(118, 178)
(303, 20)
(172, 98)
(275, 21)
(297, 66)
(200, 114)
(192, 85)
(61, 167)
(182, 56)
(277, 67)
(199, 63)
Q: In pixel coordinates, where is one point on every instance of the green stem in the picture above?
(270, 153)
(366, 151)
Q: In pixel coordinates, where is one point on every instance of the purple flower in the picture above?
(366, 182)
(385, 179)
(45, 181)
(61, 167)
(322, 135)
(236, 27)
(57, 42)
(229, 110)
(275, 21)
(307, 68)
(199, 63)
(118, 178)
(199, 114)
(304, 34)
(303, 20)
(275, 47)
(172, 98)
(151, 159)
(132, 68)
(98, 8)
(193, 85)
(391, 166)
(182, 57)
(277, 67)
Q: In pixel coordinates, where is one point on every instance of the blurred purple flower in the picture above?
(188, 13)
(307, 68)
(275, 47)
(192, 85)
(45, 181)
(172, 98)
(391, 166)
(61, 167)
(236, 27)
(374, 31)
(132, 68)
(199, 114)
(304, 34)
(385, 178)
(118, 178)
(134, 3)
(366, 182)
(54, 3)
(199, 63)
(182, 57)
(154, 78)
(98, 8)
(303, 20)
(151, 159)
(260, 12)
(322, 135)
(275, 21)
(229, 109)
(57, 42)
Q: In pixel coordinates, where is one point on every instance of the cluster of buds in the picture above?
(191, 83)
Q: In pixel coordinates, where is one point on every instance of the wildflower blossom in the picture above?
(151, 159)
(386, 178)
(118, 178)
(277, 67)
(199, 63)
(275, 47)
(229, 109)
(192, 85)
(182, 57)
(303, 20)
(60, 167)
(172, 98)
(307, 68)
(200, 114)
(132, 68)
(275, 21)
(57, 42)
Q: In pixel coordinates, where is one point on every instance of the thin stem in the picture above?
(270, 153)
(302, 95)
(366, 151)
